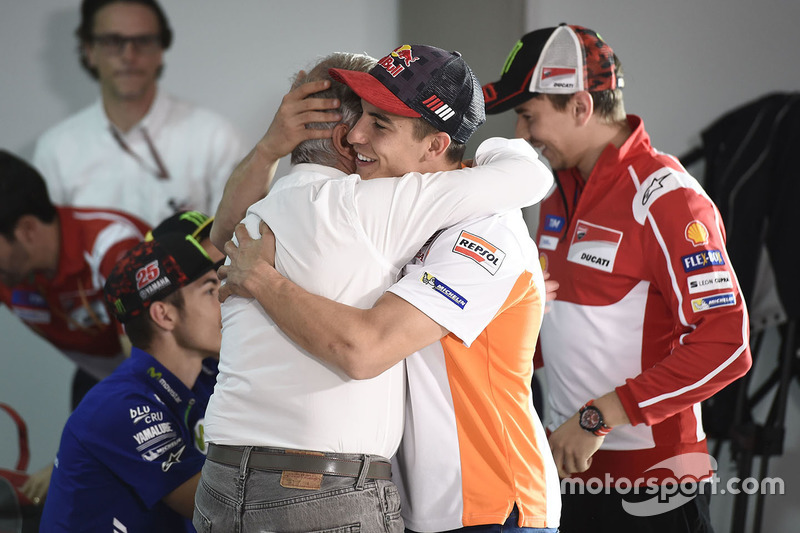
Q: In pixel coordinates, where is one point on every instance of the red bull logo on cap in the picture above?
(403, 54)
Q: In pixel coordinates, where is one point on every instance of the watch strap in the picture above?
(601, 431)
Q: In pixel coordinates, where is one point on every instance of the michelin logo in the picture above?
(443, 289)
(711, 302)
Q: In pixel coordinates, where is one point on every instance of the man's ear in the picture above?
(439, 143)
(582, 107)
(344, 149)
(87, 52)
(27, 230)
(164, 315)
(340, 144)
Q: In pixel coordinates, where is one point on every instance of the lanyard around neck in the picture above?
(161, 172)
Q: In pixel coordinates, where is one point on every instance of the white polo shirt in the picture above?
(85, 166)
(345, 239)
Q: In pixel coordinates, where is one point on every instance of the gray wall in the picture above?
(234, 57)
(686, 62)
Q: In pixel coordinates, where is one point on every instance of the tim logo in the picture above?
(147, 274)
(703, 259)
(482, 252)
(553, 224)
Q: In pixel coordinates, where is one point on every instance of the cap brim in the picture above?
(506, 97)
(373, 91)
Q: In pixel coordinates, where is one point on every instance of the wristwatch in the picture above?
(591, 419)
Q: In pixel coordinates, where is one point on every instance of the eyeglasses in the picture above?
(114, 43)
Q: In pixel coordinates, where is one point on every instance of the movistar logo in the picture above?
(153, 373)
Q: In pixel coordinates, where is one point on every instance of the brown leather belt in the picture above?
(261, 459)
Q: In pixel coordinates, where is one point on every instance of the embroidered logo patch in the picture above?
(711, 302)
(553, 77)
(443, 110)
(710, 281)
(696, 233)
(479, 250)
(404, 58)
(443, 289)
(147, 274)
(702, 259)
(548, 242)
(594, 246)
(553, 224)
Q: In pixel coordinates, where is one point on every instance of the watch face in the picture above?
(590, 419)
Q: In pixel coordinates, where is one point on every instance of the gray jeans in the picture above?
(243, 500)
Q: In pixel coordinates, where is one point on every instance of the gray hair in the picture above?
(321, 151)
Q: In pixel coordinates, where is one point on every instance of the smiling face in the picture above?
(547, 129)
(386, 146)
(128, 73)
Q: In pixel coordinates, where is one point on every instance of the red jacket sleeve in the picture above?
(684, 243)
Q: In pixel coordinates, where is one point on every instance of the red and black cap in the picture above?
(423, 81)
(560, 60)
(153, 270)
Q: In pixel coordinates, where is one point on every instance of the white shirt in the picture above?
(346, 239)
(473, 445)
(84, 166)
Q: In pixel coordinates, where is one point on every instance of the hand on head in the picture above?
(288, 127)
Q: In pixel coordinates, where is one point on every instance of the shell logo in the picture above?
(696, 233)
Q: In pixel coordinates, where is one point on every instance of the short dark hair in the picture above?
(141, 329)
(608, 105)
(85, 31)
(423, 128)
(22, 192)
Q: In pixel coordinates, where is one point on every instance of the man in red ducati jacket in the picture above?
(53, 263)
(649, 319)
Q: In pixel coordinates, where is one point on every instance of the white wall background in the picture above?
(686, 63)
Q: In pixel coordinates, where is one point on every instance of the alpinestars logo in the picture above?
(172, 459)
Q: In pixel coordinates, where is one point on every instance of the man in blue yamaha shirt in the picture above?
(130, 457)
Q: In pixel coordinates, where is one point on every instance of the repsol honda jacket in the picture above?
(649, 304)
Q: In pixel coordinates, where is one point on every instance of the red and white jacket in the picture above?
(69, 310)
(648, 304)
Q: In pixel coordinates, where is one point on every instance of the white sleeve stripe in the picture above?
(675, 288)
(706, 378)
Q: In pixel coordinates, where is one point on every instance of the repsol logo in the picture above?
(589, 258)
(479, 250)
(487, 255)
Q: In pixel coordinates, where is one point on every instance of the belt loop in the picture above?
(245, 459)
(362, 476)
